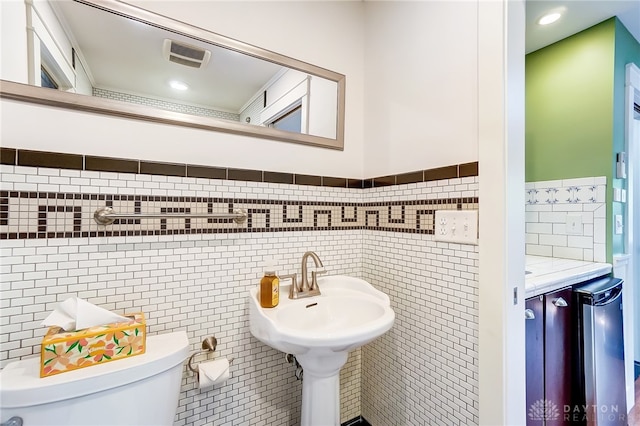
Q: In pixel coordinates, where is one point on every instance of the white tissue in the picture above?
(77, 314)
(213, 372)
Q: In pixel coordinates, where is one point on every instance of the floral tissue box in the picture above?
(64, 351)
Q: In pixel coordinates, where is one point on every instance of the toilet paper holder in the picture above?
(209, 344)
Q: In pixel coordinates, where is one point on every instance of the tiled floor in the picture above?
(634, 414)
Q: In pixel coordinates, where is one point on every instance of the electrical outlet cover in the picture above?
(617, 194)
(456, 226)
(574, 224)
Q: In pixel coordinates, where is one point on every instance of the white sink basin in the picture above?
(320, 331)
(349, 313)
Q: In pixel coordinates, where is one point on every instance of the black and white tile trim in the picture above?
(34, 215)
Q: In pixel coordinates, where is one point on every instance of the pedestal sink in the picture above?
(320, 331)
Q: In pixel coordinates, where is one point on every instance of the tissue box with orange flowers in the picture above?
(64, 351)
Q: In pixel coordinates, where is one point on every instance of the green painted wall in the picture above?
(569, 104)
(574, 120)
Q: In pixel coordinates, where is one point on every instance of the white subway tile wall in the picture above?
(425, 368)
(550, 204)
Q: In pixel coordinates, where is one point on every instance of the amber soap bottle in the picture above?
(269, 289)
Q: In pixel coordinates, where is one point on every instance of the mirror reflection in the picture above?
(113, 51)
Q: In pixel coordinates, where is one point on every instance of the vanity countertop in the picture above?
(551, 273)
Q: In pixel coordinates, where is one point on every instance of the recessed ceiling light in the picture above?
(549, 18)
(178, 85)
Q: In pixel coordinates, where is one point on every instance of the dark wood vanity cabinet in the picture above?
(550, 357)
(560, 331)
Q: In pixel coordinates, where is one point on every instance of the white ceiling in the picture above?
(577, 16)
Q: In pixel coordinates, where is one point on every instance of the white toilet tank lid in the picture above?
(22, 386)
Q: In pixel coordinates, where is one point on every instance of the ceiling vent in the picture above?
(184, 54)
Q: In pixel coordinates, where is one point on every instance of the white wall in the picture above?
(13, 43)
(83, 82)
(328, 34)
(52, 47)
(323, 117)
(420, 89)
(444, 84)
(421, 85)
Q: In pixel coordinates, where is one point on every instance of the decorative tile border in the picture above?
(31, 215)
(552, 192)
(550, 204)
(21, 157)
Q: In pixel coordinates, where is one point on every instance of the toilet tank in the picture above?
(136, 391)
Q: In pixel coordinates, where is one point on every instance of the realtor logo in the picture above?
(544, 410)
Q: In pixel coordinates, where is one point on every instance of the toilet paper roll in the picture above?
(213, 372)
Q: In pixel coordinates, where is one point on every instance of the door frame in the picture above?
(629, 263)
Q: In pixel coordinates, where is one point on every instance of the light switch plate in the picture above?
(456, 226)
(619, 226)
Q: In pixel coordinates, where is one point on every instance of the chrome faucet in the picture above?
(305, 289)
(304, 286)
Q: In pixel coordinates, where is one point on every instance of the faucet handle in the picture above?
(293, 290)
(314, 278)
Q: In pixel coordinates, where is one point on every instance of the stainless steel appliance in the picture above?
(601, 353)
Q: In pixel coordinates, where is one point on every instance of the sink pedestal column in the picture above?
(321, 387)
